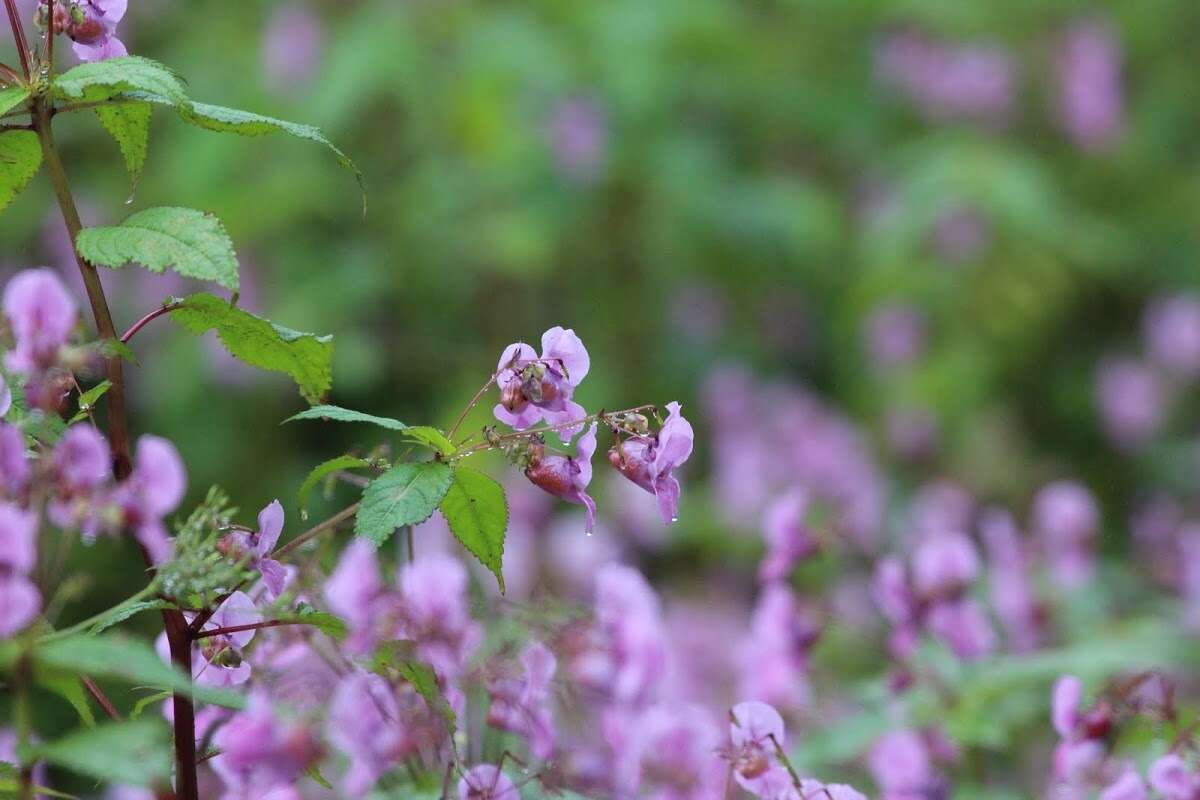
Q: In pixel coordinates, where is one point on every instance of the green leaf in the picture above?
(191, 242)
(12, 97)
(306, 357)
(406, 494)
(136, 752)
(314, 772)
(20, 157)
(424, 680)
(329, 624)
(127, 659)
(88, 399)
(432, 438)
(141, 705)
(477, 512)
(338, 414)
(105, 80)
(247, 123)
(321, 471)
(70, 688)
(123, 612)
(115, 348)
(129, 125)
(10, 785)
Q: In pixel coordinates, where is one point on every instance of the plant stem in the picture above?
(101, 698)
(250, 626)
(22, 677)
(316, 530)
(474, 400)
(178, 635)
(87, 623)
(118, 430)
(166, 308)
(18, 31)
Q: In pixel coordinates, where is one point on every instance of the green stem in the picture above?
(92, 620)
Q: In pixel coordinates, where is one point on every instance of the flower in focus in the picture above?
(256, 547)
(90, 24)
(651, 461)
(567, 477)
(534, 389)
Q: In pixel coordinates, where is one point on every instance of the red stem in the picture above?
(14, 21)
(251, 626)
(144, 321)
(101, 698)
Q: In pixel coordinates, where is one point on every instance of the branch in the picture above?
(18, 31)
(166, 308)
(251, 626)
(101, 698)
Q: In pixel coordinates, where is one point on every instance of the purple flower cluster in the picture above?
(541, 388)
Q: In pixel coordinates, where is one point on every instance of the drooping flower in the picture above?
(521, 705)
(152, 490)
(1066, 520)
(291, 47)
(787, 535)
(756, 732)
(434, 613)
(567, 477)
(217, 658)
(1172, 778)
(256, 547)
(670, 753)
(13, 463)
(364, 723)
(486, 782)
(651, 461)
(41, 314)
(1090, 103)
(355, 593)
(534, 389)
(91, 26)
(774, 656)
(259, 754)
(82, 466)
(20, 601)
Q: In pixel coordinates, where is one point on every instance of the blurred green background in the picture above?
(685, 183)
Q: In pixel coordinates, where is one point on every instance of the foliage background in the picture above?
(727, 219)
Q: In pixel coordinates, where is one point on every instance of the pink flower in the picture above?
(220, 661)
(154, 489)
(900, 763)
(433, 612)
(534, 389)
(671, 754)
(522, 705)
(1065, 705)
(18, 538)
(92, 26)
(356, 594)
(1090, 103)
(1171, 329)
(756, 731)
(1128, 786)
(14, 466)
(259, 754)
(774, 657)
(1171, 777)
(1066, 519)
(257, 547)
(364, 723)
(944, 564)
(19, 603)
(568, 477)
(42, 315)
(486, 782)
(651, 461)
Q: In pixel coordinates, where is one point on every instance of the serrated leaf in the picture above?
(12, 97)
(123, 612)
(129, 125)
(324, 469)
(407, 494)
(192, 243)
(20, 158)
(477, 513)
(306, 357)
(247, 123)
(104, 80)
(432, 438)
(70, 688)
(136, 752)
(127, 659)
(338, 414)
